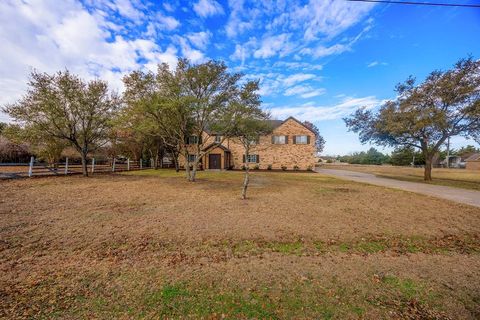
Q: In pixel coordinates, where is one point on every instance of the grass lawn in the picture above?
(459, 178)
(151, 245)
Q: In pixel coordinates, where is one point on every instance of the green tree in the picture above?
(423, 116)
(62, 106)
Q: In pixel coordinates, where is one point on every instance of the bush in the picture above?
(309, 168)
(296, 168)
(329, 161)
(284, 167)
(244, 167)
(256, 167)
(269, 167)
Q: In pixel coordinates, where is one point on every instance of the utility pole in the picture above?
(448, 152)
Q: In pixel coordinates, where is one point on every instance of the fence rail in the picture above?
(36, 168)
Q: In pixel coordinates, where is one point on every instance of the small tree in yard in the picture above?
(247, 122)
(319, 140)
(62, 106)
(424, 116)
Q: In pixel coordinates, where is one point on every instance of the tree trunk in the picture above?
(84, 164)
(155, 164)
(193, 173)
(246, 180)
(175, 162)
(427, 174)
(187, 167)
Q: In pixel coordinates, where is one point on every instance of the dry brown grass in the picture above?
(460, 178)
(149, 244)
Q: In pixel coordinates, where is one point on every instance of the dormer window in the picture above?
(218, 139)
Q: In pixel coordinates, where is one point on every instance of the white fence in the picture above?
(36, 168)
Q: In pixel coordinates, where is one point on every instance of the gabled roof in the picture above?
(216, 145)
(274, 123)
(474, 157)
(299, 122)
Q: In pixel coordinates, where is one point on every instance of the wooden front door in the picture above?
(214, 161)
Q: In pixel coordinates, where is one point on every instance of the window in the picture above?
(252, 158)
(301, 140)
(192, 140)
(191, 158)
(218, 139)
(279, 139)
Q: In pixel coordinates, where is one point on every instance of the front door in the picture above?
(214, 161)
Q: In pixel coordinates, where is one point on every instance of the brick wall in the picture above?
(276, 155)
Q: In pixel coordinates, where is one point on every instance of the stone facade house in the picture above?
(291, 145)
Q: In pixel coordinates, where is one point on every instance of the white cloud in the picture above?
(321, 51)
(199, 39)
(318, 113)
(298, 77)
(272, 45)
(304, 91)
(194, 55)
(376, 63)
(54, 35)
(206, 8)
(167, 22)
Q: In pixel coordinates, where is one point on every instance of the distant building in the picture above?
(473, 162)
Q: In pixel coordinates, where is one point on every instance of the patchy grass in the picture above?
(459, 178)
(148, 244)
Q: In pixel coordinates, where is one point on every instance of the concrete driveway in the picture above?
(470, 197)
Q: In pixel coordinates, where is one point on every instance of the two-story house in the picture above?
(291, 144)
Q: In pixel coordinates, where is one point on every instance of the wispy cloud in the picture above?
(207, 8)
(376, 63)
(313, 112)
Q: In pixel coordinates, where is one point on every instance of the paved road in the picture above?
(470, 197)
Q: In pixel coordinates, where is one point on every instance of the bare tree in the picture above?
(63, 106)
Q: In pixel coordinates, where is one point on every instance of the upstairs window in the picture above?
(191, 158)
(192, 140)
(301, 139)
(218, 139)
(279, 139)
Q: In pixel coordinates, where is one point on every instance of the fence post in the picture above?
(141, 164)
(128, 164)
(30, 168)
(93, 165)
(113, 165)
(66, 165)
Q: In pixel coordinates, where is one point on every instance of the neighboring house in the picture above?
(290, 145)
(453, 162)
(473, 162)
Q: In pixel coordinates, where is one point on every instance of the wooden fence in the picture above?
(36, 168)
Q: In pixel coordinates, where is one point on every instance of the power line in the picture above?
(421, 3)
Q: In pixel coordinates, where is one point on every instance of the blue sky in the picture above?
(317, 60)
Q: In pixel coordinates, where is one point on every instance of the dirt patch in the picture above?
(149, 244)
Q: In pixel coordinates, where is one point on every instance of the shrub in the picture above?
(269, 167)
(244, 167)
(329, 161)
(296, 168)
(309, 168)
(256, 167)
(284, 167)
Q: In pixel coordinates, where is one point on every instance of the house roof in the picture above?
(474, 157)
(216, 145)
(274, 123)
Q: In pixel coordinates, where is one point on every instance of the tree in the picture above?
(246, 122)
(319, 140)
(424, 116)
(184, 103)
(62, 106)
(406, 156)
